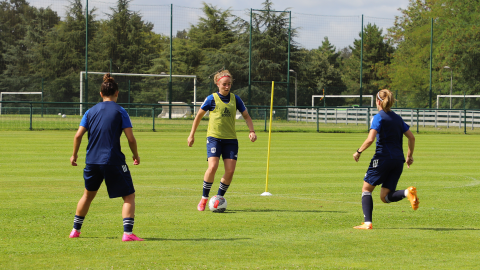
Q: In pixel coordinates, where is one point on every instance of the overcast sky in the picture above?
(338, 20)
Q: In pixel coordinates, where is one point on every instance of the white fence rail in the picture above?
(362, 116)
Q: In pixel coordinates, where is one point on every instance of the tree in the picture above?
(24, 36)
(456, 44)
(126, 40)
(377, 55)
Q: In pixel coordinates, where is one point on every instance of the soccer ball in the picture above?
(221, 206)
(64, 115)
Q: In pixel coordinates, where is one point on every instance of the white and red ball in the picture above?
(217, 204)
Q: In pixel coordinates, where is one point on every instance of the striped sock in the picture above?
(128, 225)
(222, 189)
(78, 222)
(206, 189)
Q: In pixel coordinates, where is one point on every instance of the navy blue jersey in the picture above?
(209, 103)
(105, 123)
(390, 128)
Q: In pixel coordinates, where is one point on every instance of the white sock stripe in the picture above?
(366, 194)
(78, 220)
(207, 185)
(387, 200)
(128, 222)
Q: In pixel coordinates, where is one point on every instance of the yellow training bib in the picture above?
(222, 119)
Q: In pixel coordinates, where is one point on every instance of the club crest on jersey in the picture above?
(226, 113)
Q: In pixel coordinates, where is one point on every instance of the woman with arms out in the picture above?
(386, 165)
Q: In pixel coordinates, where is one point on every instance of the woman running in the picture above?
(386, 165)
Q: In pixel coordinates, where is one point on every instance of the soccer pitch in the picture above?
(306, 224)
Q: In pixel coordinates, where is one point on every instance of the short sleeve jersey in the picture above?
(390, 128)
(209, 103)
(105, 123)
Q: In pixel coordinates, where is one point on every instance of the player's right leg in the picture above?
(208, 179)
(214, 150)
(128, 214)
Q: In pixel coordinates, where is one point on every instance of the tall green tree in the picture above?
(455, 44)
(62, 54)
(377, 55)
(125, 39)
(26, 33)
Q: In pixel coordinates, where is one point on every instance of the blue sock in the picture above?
(367, 206)
(78, 222)
(222, 189)
(206, 189)
(128, 225)
(395, 196)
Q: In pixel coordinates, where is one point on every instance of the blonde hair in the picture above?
(387, 99)
(220, 74)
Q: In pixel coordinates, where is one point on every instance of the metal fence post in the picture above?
(368, 118)
(417, 119)
(265, 116)
(31, 112)
(318, 126)
(153, 118)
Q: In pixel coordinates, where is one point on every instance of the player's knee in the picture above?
(366, 193)
(383, 199)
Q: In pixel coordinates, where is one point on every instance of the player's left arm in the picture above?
(77, 141)
(243, 110)
(370, 139)
(251, 135)
(132, 142)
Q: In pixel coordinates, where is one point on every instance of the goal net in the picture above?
(152, 90)
(455, 96)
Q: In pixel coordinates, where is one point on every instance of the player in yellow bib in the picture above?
(221, 134)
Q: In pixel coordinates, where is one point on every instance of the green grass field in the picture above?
(306, 224)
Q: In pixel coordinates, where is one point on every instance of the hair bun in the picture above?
(107, 78)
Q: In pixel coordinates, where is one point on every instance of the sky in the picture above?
(373, 8)
(313, 20)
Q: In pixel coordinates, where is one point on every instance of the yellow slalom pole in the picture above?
(266, 193)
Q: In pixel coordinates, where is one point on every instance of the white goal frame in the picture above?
(343, 96)
(16, 93)
(139, 75)
(456, 96)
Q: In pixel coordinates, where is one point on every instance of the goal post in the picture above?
(342, 96)
(456, 96)
(139, 75)
(16, 93)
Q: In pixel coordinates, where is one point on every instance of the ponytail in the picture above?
(386, 98)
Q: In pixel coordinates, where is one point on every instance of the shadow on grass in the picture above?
(278, 210)
(435, 229)
(197, 239)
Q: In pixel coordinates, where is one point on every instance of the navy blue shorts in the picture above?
(384, 171)
(117, 179)
(227, 148)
